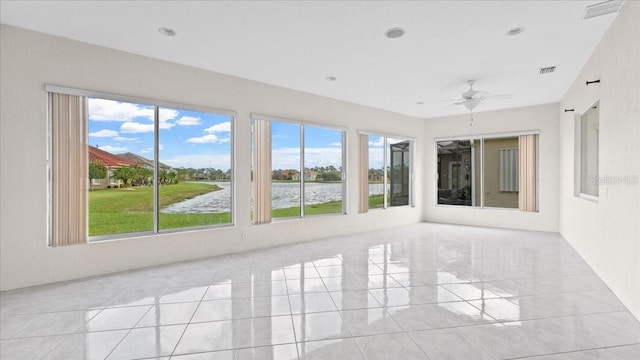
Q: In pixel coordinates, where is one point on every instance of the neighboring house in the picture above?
(289, 174)
(112, 162)
(376, 175)
(144, 162)
(309, 175)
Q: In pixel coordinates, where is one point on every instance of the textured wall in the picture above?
(29, 60)
(606, 232)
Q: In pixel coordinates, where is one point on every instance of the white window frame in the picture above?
(302, 124)
(578, 155)
(481, 138)
(412, 147)
(156, 104)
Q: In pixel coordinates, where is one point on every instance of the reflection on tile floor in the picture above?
(424, 291)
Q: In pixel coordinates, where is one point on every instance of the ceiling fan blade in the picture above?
(500, 96)
(473, 93)
(450, 100)
(460, 102)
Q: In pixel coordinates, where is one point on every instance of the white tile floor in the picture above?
(424, 291)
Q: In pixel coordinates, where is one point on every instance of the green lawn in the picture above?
(117, 211)
(332, 207)
(376, 201)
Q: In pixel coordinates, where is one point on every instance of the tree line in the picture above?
(140, 176)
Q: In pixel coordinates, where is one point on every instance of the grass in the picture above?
(376, 201)
(117, 211)
(332, 207)
(120, 211)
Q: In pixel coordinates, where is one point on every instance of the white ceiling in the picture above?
(298, 44)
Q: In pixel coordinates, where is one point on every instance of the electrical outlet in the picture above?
(244, 235)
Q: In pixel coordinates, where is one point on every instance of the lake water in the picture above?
(283, 195)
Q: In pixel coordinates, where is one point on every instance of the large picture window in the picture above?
(142, 167)
(490, 171)
(385, 175)
(297, 169)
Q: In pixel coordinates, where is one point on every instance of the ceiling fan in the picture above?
(472, 97)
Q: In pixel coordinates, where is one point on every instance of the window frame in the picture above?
(156, 104)
(578, 126)
(344, 157)
(412, 147)
(481, 138)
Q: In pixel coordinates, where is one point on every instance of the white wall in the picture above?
(30, 60)
(540, 117)
(607, 232)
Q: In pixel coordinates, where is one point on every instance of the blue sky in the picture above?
(199, 140)
(187, 138)
(323, 147)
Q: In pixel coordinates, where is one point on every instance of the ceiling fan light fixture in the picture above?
(515, 31)
(471, 104)
(166, 31)
(394, 33)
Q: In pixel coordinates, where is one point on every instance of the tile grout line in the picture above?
(190, 319)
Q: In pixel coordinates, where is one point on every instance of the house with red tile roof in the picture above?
(112, 162)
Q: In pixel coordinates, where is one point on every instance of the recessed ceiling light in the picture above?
(331, 78)
(515, 31)
(167, 31)
(394, 33)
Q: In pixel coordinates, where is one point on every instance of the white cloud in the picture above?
(188, 121)
(377, 142)
(167, 114)
(336, 144)
(198, 161)
(109, 110)
(289, 158)
(133, 127)
(207, 139)
(222, 127)
(376, 159)
(322, 157)
(149, 150)
(114, 149)
(104, 133)
(124, 139)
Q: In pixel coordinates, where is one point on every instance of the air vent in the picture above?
(602, 8)
(547, 70)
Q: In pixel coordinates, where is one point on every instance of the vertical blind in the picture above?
(509, 170)
(363, 170)
(528, 145)
(69, 169)
(261, 171)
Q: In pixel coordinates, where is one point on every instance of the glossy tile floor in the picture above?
(424, 291)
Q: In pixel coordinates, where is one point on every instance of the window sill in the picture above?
(479, 208)
(297, 218)
(128, 236)
(588, 197)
